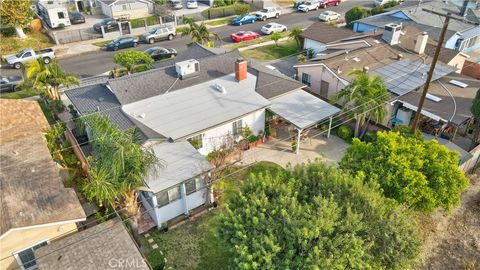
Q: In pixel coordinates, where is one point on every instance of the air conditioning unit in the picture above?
(188, 68)
(392, 32)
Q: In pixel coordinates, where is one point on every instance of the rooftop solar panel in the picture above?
(406, 75)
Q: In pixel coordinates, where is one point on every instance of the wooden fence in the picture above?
(77, 150)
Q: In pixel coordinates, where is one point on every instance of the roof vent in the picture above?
(433, 98)
(142, 115)
(366, 69)
(187, 69)
(458, 83)
(339, 71)
(101, 99)
(356, 59)
(220, 88)
(399, 56)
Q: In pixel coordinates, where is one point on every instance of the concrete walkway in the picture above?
(330, 150)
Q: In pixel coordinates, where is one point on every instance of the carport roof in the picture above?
(302, 109)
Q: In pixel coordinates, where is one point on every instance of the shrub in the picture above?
(252, 138)
(391, 4)
(8, 32)
(140, 68)
(301, 58)
(241, 8)
(356, 13)
(377, 10)
(345, 132)
(212, 156)
(370, 136)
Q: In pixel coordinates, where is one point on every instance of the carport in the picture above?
(303, 111)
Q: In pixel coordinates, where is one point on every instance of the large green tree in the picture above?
(49, 78)
(119, 167)
(130, 59)
(356, 13)
(365, 98)
(296, 34)
(17, 14)
(422, 174)
(315, 217)
(198, 32)
(475, 110)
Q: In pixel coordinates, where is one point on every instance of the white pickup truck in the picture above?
(269, 12)
(28, 55)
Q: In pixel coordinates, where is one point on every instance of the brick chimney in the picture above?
(421, 43)
(240, 69)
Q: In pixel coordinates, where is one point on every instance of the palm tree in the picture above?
(119, 168)
(365, 97)
(198, 32)
(50, 77)
(296, 34)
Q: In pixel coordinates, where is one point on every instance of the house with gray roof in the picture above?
(462, 35)
(106, 246)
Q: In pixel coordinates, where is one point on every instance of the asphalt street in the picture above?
(98, 62)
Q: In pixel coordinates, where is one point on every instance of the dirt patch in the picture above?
(452, 241)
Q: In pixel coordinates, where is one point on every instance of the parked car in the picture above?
(108, 25)
(326, 3)
(9, 84)
(328, 15)
(244, 35)
(192, 4)
(122, 43)
(28, 55)
(159, 53)
(76, 17)
(176, 4)
(163, 32)
(272, 27)
(244, 19)
(309, 5)
(267, 13)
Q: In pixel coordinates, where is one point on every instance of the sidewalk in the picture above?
(76, 48)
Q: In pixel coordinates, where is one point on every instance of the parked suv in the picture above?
(309, 5)
(108, 25)
(163, 32)
(267, 13)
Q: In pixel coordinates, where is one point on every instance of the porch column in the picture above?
(183, 195)
(120, 28)
(298, 141)
(329, 127)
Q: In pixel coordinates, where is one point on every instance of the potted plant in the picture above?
(294, 145)
(252, 140)
(165, 227)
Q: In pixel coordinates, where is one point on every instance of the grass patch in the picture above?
(219, 22)
(35, 40)
(272, 51)
(196, 245)
(102, 43)
(19, 94)
(155, 259)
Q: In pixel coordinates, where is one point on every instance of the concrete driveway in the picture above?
(330, 150)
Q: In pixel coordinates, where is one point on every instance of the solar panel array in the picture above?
(406, 75)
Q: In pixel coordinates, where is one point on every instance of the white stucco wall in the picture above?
(133, 10)
(106, 10)
(315, 45)
(213, 138)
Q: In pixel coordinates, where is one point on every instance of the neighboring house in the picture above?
(106, 246)
(319, 34)
(461, 35)
(179, 185)
(127, 9)
(35, 207)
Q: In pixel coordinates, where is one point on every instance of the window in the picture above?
(162, 198)
(196, 141)
(26, 258)
(200, 183)
(27, 54)
(306, 79)
(124, 7)
(190, 186)
(61, 15)
(174, 194)
(165, 197)
(237, 127)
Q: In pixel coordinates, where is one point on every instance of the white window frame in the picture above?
(236, 131)
(19, 261)
(202, 136)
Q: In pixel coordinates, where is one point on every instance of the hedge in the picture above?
(140, 22)
(225, 11)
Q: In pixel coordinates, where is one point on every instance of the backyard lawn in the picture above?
(195, 244)
(19, 94)
(35, 40)
(272, 51)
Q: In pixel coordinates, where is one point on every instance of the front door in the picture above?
(324, 89)
(80, 6)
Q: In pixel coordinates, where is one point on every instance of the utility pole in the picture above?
(432, 67)
(447, 16)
